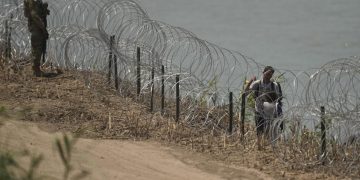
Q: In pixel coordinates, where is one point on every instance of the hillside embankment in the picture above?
(119, 137)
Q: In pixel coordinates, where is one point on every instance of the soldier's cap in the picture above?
(267, 68)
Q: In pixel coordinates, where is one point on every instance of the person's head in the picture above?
(268, 72)
(45, 6)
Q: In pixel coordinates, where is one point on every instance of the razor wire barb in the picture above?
(80, 33)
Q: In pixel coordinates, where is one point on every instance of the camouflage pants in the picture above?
(37, 44)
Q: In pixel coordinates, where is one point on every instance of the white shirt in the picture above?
(264, 89)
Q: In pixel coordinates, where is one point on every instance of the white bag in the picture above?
(269, 110)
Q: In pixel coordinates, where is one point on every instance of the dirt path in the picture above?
(116, 159)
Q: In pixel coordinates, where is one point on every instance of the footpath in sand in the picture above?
(115, 159)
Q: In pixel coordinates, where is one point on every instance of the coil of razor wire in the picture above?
(80, 32)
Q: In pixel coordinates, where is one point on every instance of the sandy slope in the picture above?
(67, 104)
(116, 159)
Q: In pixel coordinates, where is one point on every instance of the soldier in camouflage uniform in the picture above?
(37, 27)
(44, 13)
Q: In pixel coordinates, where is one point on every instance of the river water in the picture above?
(287, 34)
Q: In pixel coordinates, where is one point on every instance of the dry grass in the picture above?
(82, 102)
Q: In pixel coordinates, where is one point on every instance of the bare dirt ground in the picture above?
(123, 140)
(114, 159)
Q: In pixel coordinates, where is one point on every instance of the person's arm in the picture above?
(26, 9)
(279, 92)
(247, 87)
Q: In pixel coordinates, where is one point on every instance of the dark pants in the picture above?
(263, 125)
(37, 40)
(260, 123)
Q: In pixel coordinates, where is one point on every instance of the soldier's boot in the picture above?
(36, 63)
(37, 71)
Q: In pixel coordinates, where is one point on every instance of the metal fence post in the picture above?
(138, 71)
(242, 115)
(231, 113)
(162, 89)
(152, 89)
(110, 59)
(116, 78)
(8, 40)
(323, 134)
(177, 98)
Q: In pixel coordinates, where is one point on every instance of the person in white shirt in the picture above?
(267, 100)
